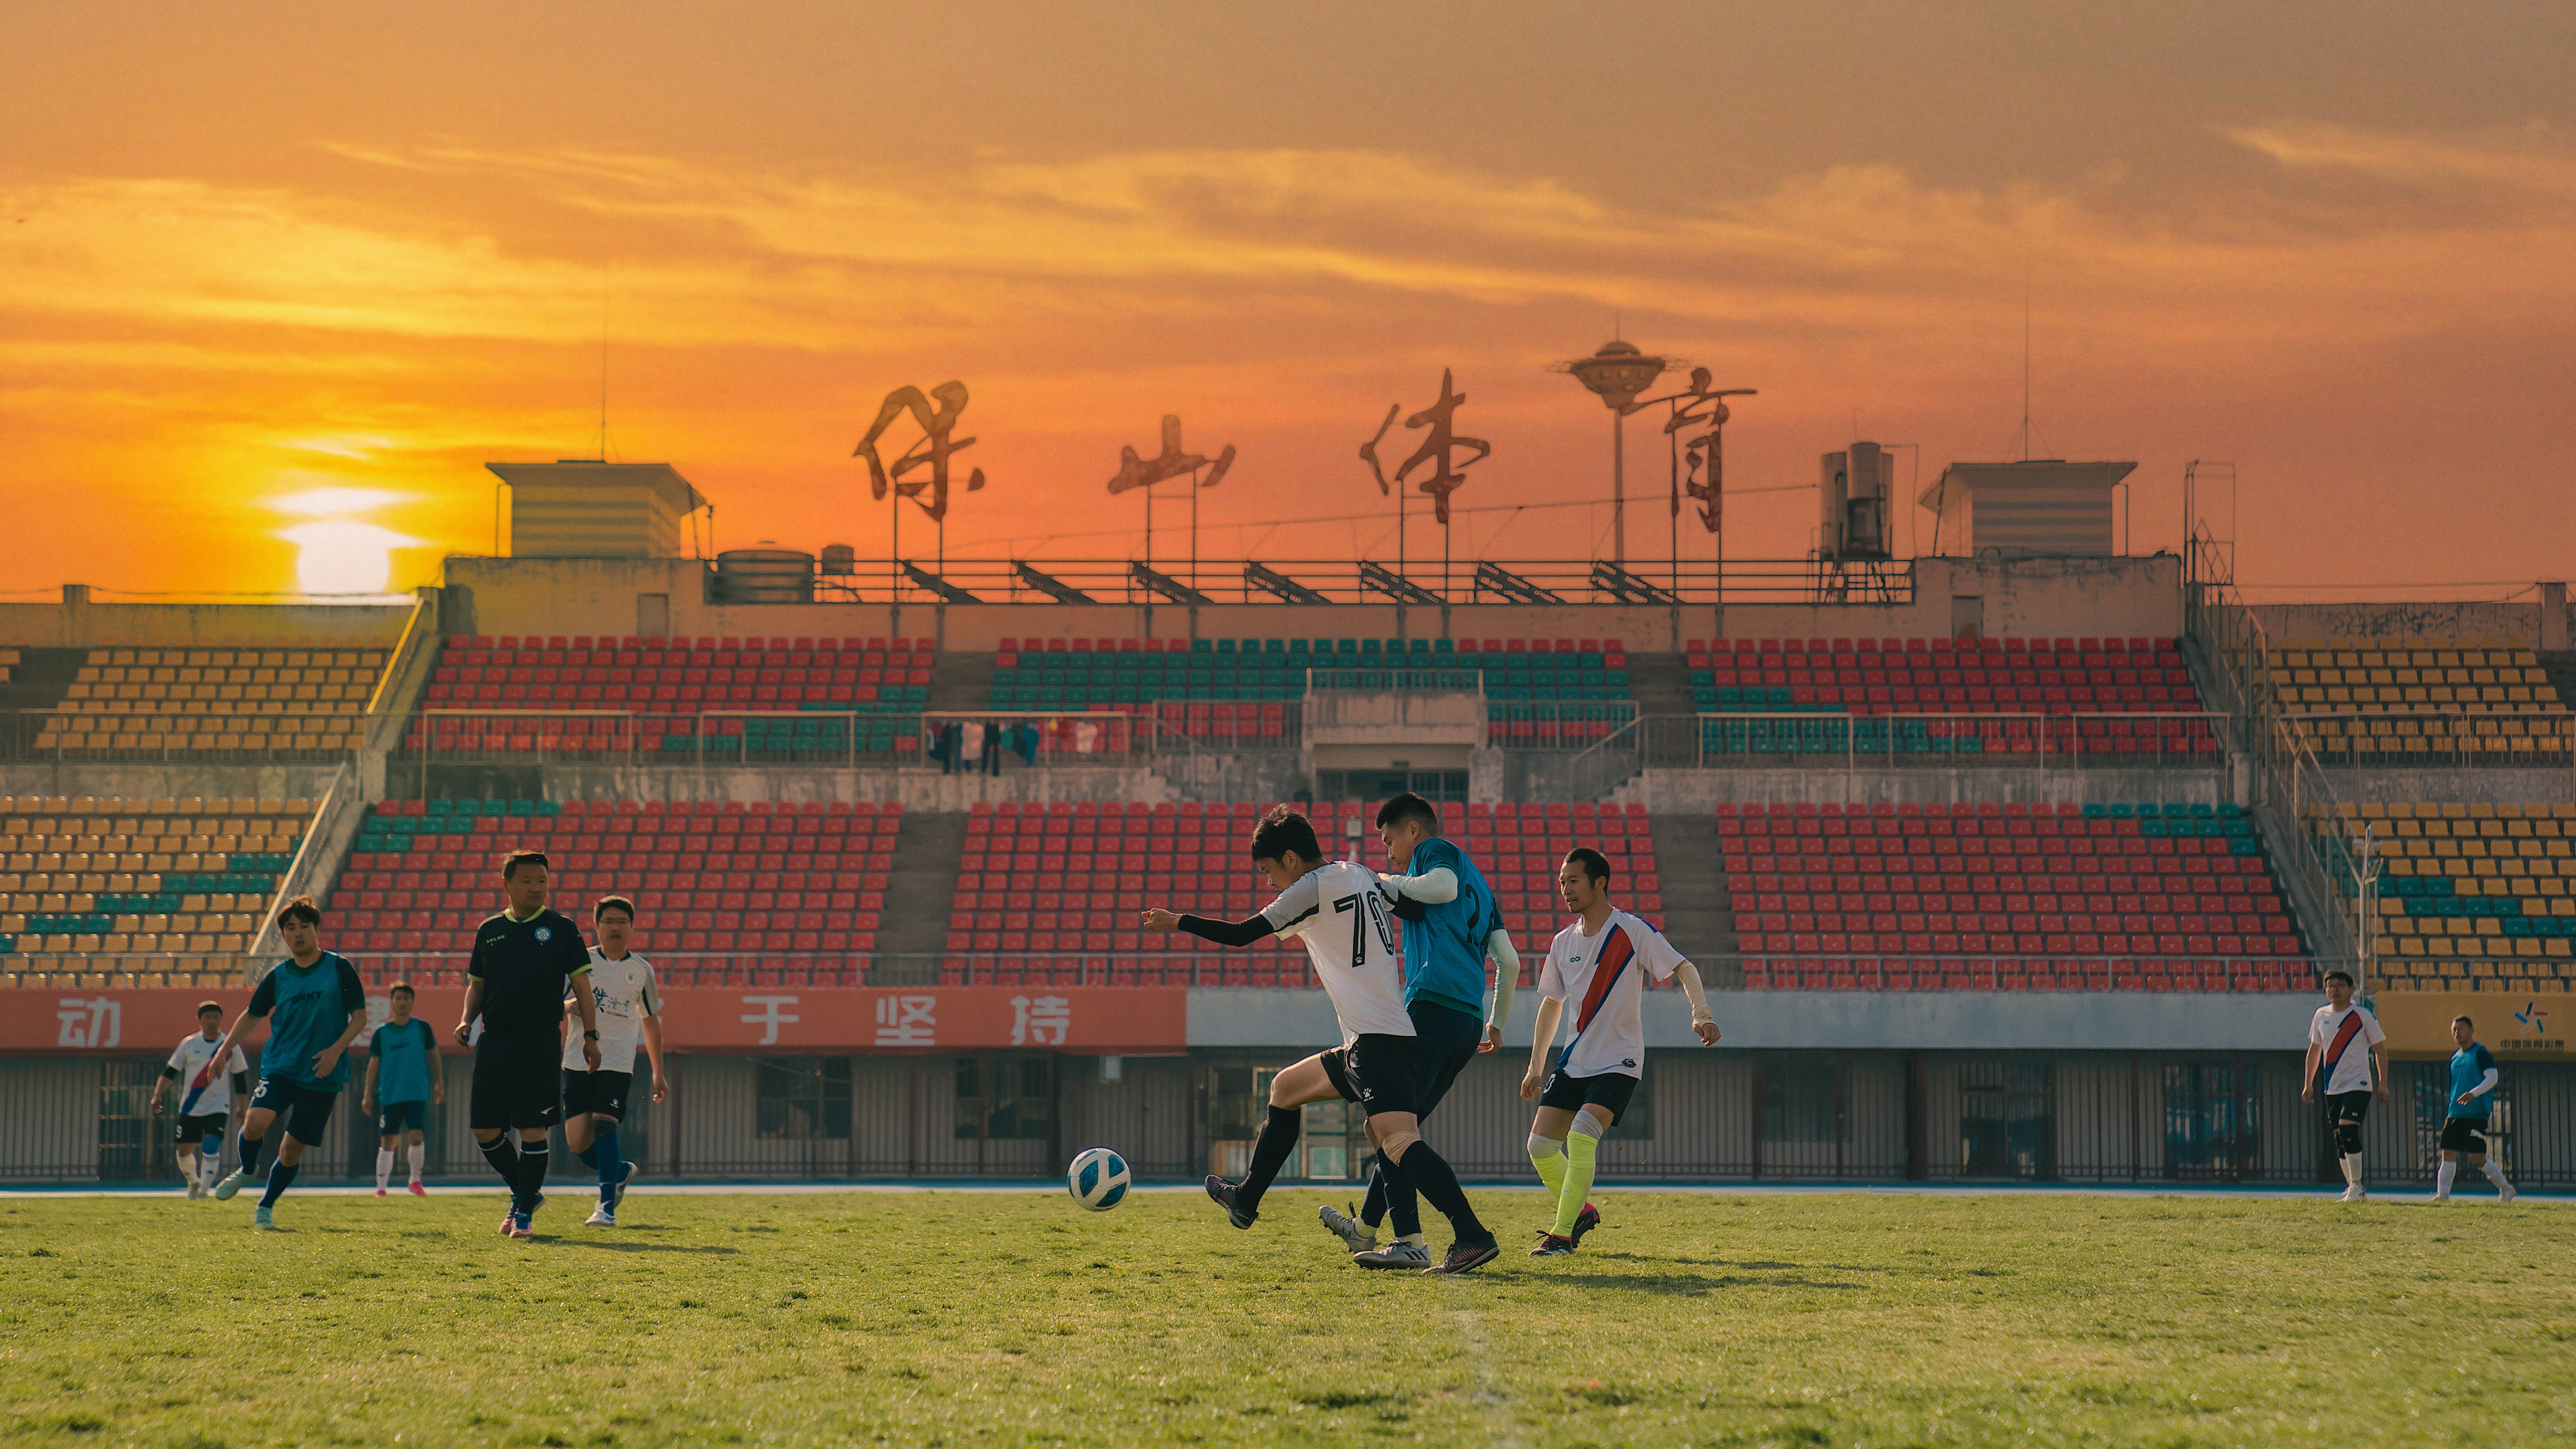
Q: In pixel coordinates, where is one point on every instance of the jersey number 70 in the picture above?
(1376, 916)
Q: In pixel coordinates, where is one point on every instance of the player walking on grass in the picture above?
(628, 1004)
(2464, 1124)
(316, 1006)
(1600, 962)
(1335, 907)
(403, 1078)
(2348, 1061)
(206, 1099)
(526, 960)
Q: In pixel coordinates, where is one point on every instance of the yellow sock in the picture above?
(1581, 1148)
(1549, 1158)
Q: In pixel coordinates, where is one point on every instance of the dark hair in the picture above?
(2343, 976)
(1409, 806)
(402, 988)
(216, 1007)
(2455, 1021)
(620, 902)
(510, 863)
(299, 909)
(1283, 831)
(1596, 866)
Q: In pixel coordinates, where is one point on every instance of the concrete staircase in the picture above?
(39, 678)
(2561, 669)
(961, 682)
(1660, 683)
(1699, 915)
(920, 891)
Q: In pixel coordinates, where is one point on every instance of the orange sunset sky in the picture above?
(275, 281)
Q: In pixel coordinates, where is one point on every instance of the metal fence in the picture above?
(2463, 739)
(1423, 581)
(66, 736)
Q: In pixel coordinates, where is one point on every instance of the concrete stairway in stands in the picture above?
(961, 682)
(40, 677)
(1660, 683)
(919, 893)
(1699, 915)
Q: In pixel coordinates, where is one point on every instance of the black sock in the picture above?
(1278, 1139)
(1403, 1204)
(589, 1156)
(503, 1154)
(250, 1154)
(1432, 1177)
(532, 1174)
(281, 1176)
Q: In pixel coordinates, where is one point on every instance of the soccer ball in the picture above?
(1097, 1179)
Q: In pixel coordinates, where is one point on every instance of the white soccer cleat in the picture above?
(2356, 1193)
(2505, 1192)
(602, 1216)
(1398, 1254)
(1354, 1236)
(2442, 1198)
(196, 1189)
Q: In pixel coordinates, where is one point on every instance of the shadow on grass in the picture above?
(630, 1246)
(1686, 1285)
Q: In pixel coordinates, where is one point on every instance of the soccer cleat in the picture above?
(1398, 1254)
(2505, 1192)
(619, 1196)
(1552, 1246)
(602, 1216)
(234, 1181)
(260, 1218)
(2356, 1193)
(1584, 1222)
(506, 1220)
(380, 1192)
(196, 1189)
(1222, 1192)
(519, 1226)
(1467, 1257)
(1357, 1237)
(417, 1190)
(2442, 1198)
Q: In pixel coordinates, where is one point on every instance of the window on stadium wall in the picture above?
(2007, 1125)
(801, 1099)
(2211, 1122)
(1005, 1099)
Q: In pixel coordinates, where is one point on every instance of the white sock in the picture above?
(419, 1158)
(2442, 1178)
(209, 1167)
(384, 1167)
(2352, 1168)
(188, 1170)
(1417, 1240)
(2494, 1173)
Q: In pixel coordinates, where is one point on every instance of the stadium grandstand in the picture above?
(2021, 866)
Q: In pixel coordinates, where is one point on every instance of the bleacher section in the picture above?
(265, 700)
(787, 894)
(2170, 898)
(663, 686)
(170, 885)
(2472, 897)
(2498, 680)
(1069, 881)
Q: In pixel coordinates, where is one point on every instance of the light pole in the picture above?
(1616, 374)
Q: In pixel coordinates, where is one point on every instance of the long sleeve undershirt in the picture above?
(1432, 887)
(2486, 1086)
(1228, 933)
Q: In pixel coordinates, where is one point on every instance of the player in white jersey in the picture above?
(1335, 906)
(628, 1003)
(1600, 962)
(206, 1097)
(2348, 1061)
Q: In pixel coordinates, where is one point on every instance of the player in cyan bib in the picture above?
(404, 1076)
(2464, 1121)
(316, 1006)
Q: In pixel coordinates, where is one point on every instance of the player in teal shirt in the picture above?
(315, 1005)
(2472, 1101)
(402, 1080)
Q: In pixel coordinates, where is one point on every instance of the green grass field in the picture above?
(943, 1319)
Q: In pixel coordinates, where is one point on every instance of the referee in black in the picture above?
(524, 963)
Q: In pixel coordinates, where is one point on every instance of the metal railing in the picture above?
(1859, 971)
(848, 738)
(316, 855)
(43, 734)
(2466, 739)
(2009, 740)
(1420, 581)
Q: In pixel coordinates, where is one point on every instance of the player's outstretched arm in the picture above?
(1703, 1021)
(1223, 933)
(1542, 1036)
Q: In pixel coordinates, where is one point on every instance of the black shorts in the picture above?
(306, 1110)
(393, 1117)
(596, 1093)
(2464, 1134)
(194, 1130)
(1610, 1091)
(1407, 1073)
(515, 1082)
(2349, 1107)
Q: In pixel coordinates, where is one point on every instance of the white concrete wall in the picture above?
(2429, 622)
(104, 626)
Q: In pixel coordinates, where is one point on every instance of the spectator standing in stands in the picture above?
(525, 961)
(206, 1101)
(2464, 1122)
(628, 1004)
(316, 1006)
(403, 1078)
(2348, 1062)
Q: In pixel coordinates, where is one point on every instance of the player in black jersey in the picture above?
(525, 961)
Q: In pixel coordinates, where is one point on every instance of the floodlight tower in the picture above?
(1616, 374)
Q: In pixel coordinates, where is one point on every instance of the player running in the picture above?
(628, 1004)
(404, 1077)
(1335, 907)
(1601, 961)
(2473, 1084)
(525, 961)
(315, 1005)
(206, 1102)
(2348, 1056)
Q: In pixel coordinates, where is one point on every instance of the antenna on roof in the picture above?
(2025, 362)
(603, 368)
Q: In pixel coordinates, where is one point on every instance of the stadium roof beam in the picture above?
(1384, 580)
(1167, 586)
(1495, 579)
(924, 579)
(1286, 589)
(1054, 588)
(1627, 588)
